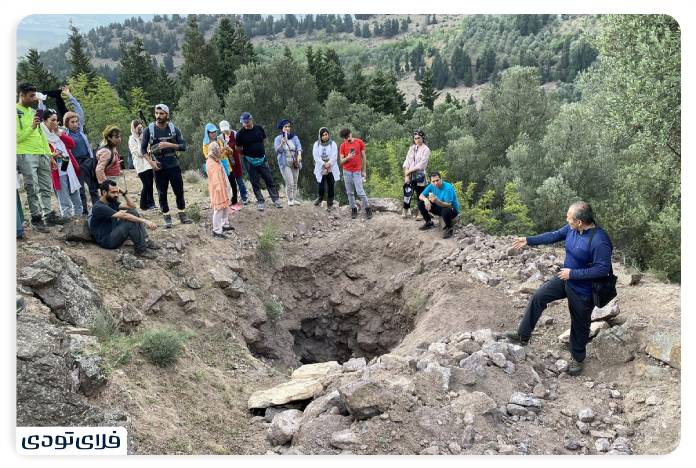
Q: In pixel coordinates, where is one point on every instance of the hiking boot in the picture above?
(448, 232)
(317, 201)
(426, 226)
(277, 203)
(183, 217)
(150, 244)
(368, 212)
(260, 206)
(228, 228)
(38, 224)
(219, 235)
(353, 213)
(52, 219)
(575, 367)
(145, 253)
(515, 337)
(167, 221)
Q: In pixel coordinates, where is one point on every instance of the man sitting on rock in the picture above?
(111, 223)
(438, 198)
(588, 256)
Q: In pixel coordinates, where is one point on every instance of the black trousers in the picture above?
(147, 194)
(448, 214)
(87, 177)
(261, 172)
(327, 185)
(408, 193)
(163, 178)
(125, 230)
(233, 184)
(580, 313)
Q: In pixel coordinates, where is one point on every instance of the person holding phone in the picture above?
(353, 158)
(65, 169)
(289, 150)
(33, 159)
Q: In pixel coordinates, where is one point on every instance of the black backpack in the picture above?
(603, 289)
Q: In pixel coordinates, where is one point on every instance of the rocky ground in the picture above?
(357, 336)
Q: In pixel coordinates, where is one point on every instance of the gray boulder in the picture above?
(284, 427)
(365, 398)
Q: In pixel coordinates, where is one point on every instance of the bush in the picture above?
(105, 325)
(193, 176)
(194, 212)
(162, 347)
(274, 309)
(266, 248)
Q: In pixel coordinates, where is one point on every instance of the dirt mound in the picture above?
(408, 323)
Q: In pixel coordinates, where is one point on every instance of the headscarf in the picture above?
(322, 130)
(214, 150)
(281, 124)
(132, 129)
(420, 133)
(209, 127)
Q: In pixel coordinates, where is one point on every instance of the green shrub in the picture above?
(268, 238)
(515, 213)
(194, 212)
(162, 347)
(105, 325)
(192, 176)
(274, 309)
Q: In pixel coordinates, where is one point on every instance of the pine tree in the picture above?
(311, 65)
(166, 90)
(366, 30)
(200, 58)
(384, 96)
(356, 89)
(136, 70)
(427, 95)
(168, 63)
(328, 73)
(31, 70)
(440, 72)
(78, 57)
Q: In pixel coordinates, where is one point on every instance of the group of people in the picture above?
(60, 158)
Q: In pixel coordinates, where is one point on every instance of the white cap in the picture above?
(225, 126)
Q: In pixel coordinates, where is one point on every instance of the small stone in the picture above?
(194, 283)
(586, 415)
(615, 393)
(498, 359)
(344, 439)
(653, 400)
(602, 445)
(539, 391)
(623, 430)
(522, 399)
(454, 448)
(584, 428)
(548, 321)
(561, 365)
(516, 410)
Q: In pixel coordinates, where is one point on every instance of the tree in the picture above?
(78, 57)
(515, 213)
(31, 70)
(200, 58)
(356, 89)
(328, 73)
(427, 95)
(384, 96)
(440, 72)
(136, 70)
(137, 101)
(461, 66)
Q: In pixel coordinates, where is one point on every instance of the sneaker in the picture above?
(53, 219)
(227, 228)
(426, 226)
(245, 201)
(219, 235)
(38, 224)
(150, 244)
(575, 367)
(145, 253)
(368, 212)
(278, 204)
(167, 221)
(353, 213)
(291, 202)
(260, 206)
(516, 338)
(183, 217)
(448, 232)
(296, 202)
(317, 201)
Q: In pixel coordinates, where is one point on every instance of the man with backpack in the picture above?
(83, 154)
(588, 257)
(160, 142)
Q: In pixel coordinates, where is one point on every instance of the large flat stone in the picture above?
(294, 390)
(666, 348)
(318, 370)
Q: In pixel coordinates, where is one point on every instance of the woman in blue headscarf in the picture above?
(209, 136)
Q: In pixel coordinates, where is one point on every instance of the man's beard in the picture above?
(112, 199)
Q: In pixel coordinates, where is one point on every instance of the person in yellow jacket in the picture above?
(34, 160)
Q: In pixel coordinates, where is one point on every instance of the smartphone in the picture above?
(40, 113)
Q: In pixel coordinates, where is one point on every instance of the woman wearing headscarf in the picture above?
(228, 142)
(415, 165)
(289, 150)
(325, 152)
(64, 167)
(210, 135)
(219, 190)
(142, 167)
(108, 157)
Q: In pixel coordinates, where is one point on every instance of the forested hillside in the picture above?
(607, 130)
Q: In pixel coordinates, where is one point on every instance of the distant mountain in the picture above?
(43, 32)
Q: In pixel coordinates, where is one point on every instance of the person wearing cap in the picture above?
(74, 122)
(228, 142)
(354, 161)
(33, 159)
(325, 154)
(250, 139)
(160, 143)
(289, 150)
(415, 165)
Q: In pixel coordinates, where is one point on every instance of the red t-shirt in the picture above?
(355, 164)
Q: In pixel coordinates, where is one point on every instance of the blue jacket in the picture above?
(585, 263)
(279, 149)
(80, 133)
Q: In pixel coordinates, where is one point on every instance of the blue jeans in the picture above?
(70, 203)
(354, 181)
(20, 217)
(242, 188)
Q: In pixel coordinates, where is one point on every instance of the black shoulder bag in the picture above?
(603, 289)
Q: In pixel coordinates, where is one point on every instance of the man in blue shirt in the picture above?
(438, 198)
(588, 256)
